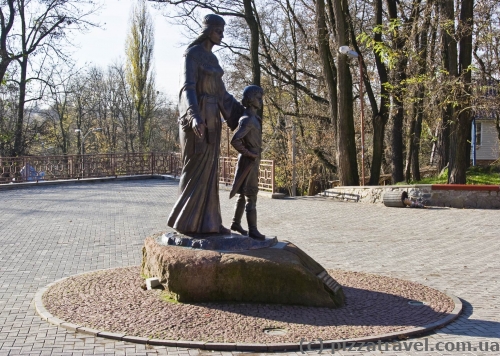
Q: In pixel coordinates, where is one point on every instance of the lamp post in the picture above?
(82, 140)
(353, 54)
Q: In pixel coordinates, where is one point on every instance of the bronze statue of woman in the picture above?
(203, 99)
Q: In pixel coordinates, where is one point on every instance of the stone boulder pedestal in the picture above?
(281, 273)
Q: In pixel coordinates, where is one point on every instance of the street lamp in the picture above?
(82, 139)
(353, 54)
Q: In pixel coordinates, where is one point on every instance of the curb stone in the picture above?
(43, 183)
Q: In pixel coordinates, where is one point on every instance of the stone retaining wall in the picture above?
(454, 196)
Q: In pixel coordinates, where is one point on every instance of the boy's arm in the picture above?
(237, 140)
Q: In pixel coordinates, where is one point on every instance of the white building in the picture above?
(487, 142)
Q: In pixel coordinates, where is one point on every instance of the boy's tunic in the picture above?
(248, 137)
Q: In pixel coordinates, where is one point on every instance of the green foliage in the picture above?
(443, 174)
(388, 55)
(475, 175)
(484, 175)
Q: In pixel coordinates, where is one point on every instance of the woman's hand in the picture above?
(199, 127)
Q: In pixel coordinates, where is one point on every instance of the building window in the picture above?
(478, 133)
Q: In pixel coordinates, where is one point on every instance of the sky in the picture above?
(105, 45)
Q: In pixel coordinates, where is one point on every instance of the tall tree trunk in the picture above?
(64, 133)
(5, 27)
(18, 149)
(314, 185)
(327, 64)
(415, 165)
(409, 151)
(140, 126)
(398, 76)
(346, 142)
(380, 119)
(458, 152)
(253, 25)
(397, 133)
(450, 64)
(443, 140)
(254, 41)
(422, 44)
(4, 63)
(413, 150)
(460, 133)
(497, 124)
(379, 123)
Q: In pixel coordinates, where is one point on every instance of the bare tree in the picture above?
(42, 25)
(243, 9)
(60, 101)
(6, 24)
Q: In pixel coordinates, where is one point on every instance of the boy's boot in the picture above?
(252, 225)
(239, 208)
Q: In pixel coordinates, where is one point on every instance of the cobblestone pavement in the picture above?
(51, 232)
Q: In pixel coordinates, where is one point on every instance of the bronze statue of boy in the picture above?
(247, 140)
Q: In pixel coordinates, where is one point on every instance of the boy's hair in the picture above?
(249, 92)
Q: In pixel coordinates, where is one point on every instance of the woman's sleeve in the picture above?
(231, 110)
(188, 102)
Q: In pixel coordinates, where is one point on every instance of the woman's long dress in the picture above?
(202, 95)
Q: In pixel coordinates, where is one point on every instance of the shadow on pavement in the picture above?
(464, 326)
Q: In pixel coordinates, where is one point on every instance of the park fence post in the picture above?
(272, 177)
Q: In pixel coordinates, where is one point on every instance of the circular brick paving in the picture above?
(111, 303)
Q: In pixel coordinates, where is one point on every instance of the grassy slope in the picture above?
(475, 175)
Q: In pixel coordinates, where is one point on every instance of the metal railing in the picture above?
(38, 168)
(35, 168)
(227, 168)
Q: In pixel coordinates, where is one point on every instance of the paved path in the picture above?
(51, 232)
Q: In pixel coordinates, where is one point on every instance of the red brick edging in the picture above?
(471, 187)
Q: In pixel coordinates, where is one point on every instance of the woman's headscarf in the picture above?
(209, 21)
